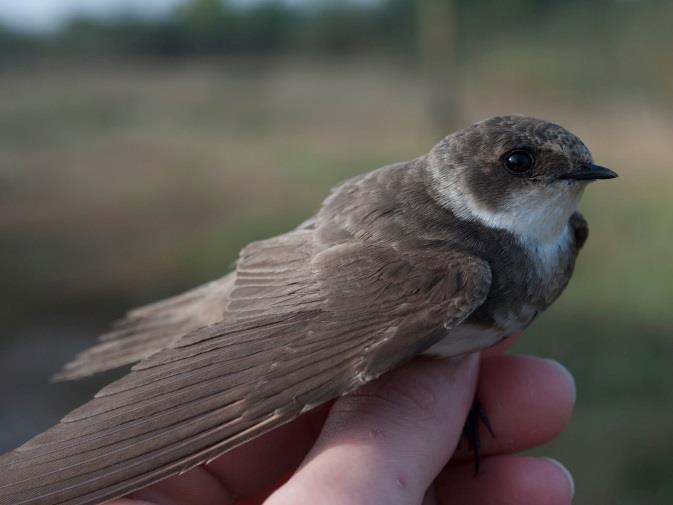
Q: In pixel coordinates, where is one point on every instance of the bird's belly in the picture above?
(466, 338)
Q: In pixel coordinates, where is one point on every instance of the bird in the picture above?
(443, 255)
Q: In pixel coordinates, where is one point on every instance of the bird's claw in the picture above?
(476, 416)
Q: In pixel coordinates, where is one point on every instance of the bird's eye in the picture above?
(519, 161)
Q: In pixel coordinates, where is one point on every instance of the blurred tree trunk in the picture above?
(438, 47)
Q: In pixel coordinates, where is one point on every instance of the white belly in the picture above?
(464, 339)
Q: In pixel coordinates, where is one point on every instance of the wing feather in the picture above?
(304, 324)
(147, 330)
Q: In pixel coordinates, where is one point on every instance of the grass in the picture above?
(122, 182)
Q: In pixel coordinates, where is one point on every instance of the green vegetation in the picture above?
(221, 27)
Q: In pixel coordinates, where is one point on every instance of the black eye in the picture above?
(519, 161)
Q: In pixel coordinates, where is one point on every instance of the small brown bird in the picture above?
(444, 255)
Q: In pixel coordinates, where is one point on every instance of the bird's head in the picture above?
(516, 173)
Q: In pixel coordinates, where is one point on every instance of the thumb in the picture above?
(386, 442)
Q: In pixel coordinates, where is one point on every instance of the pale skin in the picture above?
(395, 441)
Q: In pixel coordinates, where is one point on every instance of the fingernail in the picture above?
(151, 497)
(566, 473)
(569, 377)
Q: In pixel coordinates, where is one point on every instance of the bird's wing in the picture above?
(149, 329)
(309, 326)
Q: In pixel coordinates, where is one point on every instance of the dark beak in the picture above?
(590, 173)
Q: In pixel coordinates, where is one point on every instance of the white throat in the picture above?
(539, 219)
(539, 216)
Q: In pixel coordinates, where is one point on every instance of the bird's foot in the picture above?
(475, 417)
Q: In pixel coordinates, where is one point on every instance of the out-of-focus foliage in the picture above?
(137, 156)
(219, 27)
(597, 37)
(601, 28)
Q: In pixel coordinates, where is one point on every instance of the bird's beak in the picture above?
(590, 173)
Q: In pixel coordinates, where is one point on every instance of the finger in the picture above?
(501, 347)
(528, 401)
(552, 383)
(504, 480)
(387, 442)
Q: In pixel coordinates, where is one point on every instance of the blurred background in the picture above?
(142, 143)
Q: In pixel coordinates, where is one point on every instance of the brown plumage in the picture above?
(390, 267)
(151, 328)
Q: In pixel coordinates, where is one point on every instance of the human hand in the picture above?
(394, 442)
